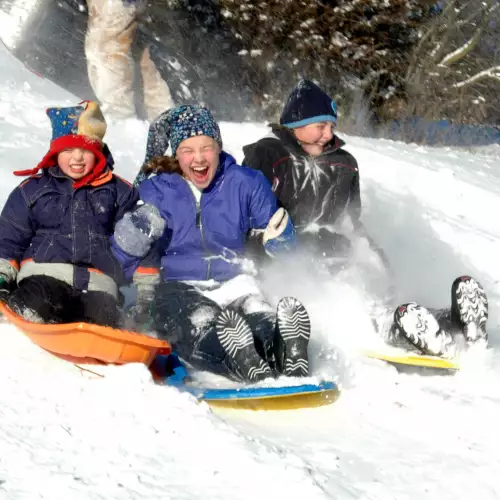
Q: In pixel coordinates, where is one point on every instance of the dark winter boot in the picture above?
(293, 329)
(261, 319)
(421, 328)
(236, 338)
(469, 308)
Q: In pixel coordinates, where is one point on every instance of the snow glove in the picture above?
(279, 235)
(136, 232)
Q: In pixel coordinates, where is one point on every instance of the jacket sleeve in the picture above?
(16, 228)
(128, 196)
(263, 203)
(148, 194)
(263, 155)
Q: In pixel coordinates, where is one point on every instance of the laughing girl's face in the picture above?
(198, 158)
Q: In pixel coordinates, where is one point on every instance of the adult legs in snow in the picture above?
(110, 48)
(44, 299)
(438, 332)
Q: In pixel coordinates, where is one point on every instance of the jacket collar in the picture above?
(225, 161)
(104, 177)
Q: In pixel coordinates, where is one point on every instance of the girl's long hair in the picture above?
(162, 165)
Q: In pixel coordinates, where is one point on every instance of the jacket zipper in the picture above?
(312, 159)
(314, 179)
(199, 224)
(198, 219)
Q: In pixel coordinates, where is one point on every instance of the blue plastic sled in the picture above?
(171, 370)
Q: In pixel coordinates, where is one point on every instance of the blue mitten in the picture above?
(138, 230)
(279, 235)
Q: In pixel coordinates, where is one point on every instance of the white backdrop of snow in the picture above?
(389, 436)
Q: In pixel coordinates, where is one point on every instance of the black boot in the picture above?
(262, 321)
(237, 340)
(421, 328)
(293, 330)
(469, 308)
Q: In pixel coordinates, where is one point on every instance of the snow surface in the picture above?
(65, 434)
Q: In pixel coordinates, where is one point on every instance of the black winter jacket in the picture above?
(314, 190)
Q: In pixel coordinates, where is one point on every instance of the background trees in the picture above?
(454, 69)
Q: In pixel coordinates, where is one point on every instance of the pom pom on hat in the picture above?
(307, 104)
(75, 127)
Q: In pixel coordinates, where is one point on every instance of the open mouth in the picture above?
(200, 174)
(77, 168)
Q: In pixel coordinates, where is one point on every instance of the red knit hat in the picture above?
(75, 127)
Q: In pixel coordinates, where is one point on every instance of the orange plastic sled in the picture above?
(88, 343)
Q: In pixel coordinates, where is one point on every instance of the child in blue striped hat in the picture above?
(172, 128)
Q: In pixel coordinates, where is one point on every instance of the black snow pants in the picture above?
(186, 318)
(44, 299)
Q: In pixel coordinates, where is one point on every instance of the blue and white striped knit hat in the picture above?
(176, 125)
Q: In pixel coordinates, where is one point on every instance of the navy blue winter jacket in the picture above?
(47, 220)
(208, 243)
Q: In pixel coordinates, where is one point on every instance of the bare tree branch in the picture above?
(435, 26)
(466, 48)
(462, 51)
(491, 9)
(487, 73)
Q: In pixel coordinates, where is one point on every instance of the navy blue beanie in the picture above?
(308, 104)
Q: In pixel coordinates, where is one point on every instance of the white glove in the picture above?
(279, 234)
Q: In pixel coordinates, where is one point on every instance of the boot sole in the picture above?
(237, 340)
(421, 329)
(472, 305)
(294, 328)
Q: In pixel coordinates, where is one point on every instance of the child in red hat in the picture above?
(55, 259)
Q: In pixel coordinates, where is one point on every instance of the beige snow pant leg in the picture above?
(109, 39)
(156, 94)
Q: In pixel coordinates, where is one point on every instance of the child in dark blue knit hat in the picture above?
(192, 230)
(314, 178)
(318, 183)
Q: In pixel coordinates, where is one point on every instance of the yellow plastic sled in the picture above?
(415, 360)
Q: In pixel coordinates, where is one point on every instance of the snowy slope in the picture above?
(390, 436)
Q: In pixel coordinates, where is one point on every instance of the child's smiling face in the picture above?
(76, 163)
(318, 134)
(198, 158)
